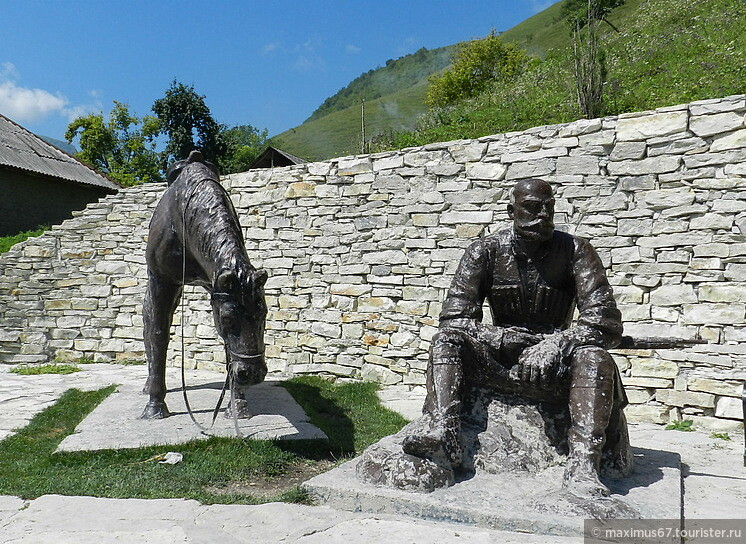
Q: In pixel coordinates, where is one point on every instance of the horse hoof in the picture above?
(155, 410)
(242, 409)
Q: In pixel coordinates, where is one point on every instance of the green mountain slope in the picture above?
(667, 52)
(395, 93)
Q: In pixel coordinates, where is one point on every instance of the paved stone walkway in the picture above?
(714, 486)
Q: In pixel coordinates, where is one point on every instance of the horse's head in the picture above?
(240, 311)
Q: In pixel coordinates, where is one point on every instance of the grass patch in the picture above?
(6, 242)
(720, 436)
(681, 425)
(350, 414)
(217, 470)
(51, 368)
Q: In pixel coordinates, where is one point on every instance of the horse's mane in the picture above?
(210, 220)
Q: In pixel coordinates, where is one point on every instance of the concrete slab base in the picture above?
(508, 502)
(114, 424)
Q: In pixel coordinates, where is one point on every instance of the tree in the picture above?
(475, 65)
(580, 12)
(183, 116)
(120, 147)
(589, 60)
(245, 143)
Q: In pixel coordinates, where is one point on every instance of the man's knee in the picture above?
(448, 340)
(592, 364)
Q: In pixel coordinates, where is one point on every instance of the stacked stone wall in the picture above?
(360, 252)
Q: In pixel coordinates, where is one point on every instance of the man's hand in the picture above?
(540, 364)
(517, 339)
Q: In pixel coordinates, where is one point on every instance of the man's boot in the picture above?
(439, 434)
(591, 400)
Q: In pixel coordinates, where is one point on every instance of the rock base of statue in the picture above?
(501, 434)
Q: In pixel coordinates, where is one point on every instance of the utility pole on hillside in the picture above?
(362, 122)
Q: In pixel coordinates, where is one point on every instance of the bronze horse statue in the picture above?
(195, 238)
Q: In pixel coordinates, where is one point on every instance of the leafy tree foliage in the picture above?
(244, 143)
(579, 13)
(122, 147)
(475, 65)
(185, 118)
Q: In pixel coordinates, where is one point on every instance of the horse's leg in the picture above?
(161, 299)
(239, 398)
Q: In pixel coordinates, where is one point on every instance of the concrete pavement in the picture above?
(713, 486)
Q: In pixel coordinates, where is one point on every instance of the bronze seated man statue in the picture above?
(533, 277)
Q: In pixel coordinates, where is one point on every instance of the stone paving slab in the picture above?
(56, 519)
(510, 502)
(114, 424)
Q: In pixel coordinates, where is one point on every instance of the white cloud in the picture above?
(269, 48)
(352, 49)
(22, 104)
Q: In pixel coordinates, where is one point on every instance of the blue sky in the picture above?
(268, 64)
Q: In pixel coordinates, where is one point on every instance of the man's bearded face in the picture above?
(533, 211)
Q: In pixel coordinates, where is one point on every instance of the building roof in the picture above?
(24, 150)
(272, 157)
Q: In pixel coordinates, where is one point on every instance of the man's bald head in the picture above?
(532, 210)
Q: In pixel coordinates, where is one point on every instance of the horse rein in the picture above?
(228, 353)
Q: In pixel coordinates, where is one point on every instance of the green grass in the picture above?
(6, 242)
(350, 413)
(667, 52)
(686, 425)
(51, 368)
(720, 436)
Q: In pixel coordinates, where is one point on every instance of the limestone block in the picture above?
(653, 383)
(672, 397)
(450, 218)
(733, 156)
(583, 126)
(647, 413)
(375, 304)
(634, 227)
(412, 307)
(354, 165)
(716, 425)
(578, 165)
(709, 313)
(654, 368)
(719, 292)
(712, 221)
(388, 163)
(625, 254)
(538, 168)
(729, 408)
(715, 387)
(673, 295)
(425, 219)
(628, 150)
(709, 125)
(733, 140)
(471, 152)
(678, 147)
(489, 170)
(639, 396)
(651, 126)
(669, 198)
(735, 272)
(685, 239)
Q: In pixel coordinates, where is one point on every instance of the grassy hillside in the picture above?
(395, 94)
(667, 52)
(397, 75)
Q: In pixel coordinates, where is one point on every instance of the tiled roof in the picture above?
(22, 149)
